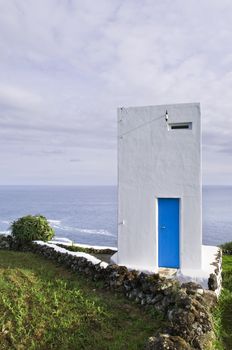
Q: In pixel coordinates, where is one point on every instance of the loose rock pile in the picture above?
(186, 308)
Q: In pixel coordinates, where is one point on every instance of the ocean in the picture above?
(88, 215)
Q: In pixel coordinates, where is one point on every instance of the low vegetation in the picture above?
(227, 248)
(30, 228)
(77, 248)
(223, 312)
(102, 254)
(43, 306)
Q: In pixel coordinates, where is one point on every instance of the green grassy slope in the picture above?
(223, 313)
(43, 306)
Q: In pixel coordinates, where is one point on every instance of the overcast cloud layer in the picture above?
(65, 67)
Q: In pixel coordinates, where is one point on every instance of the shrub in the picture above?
(227, 248)
(30, 228)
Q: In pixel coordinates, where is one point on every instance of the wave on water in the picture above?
(95, 232)
(5, 222)
(4, 232)
(5, 227)
(56, 224)
(84, 231)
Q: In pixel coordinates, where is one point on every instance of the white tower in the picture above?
(159, 187)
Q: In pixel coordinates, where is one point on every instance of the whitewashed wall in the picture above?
(156, 162)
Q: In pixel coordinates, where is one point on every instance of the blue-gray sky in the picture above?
(66, 65)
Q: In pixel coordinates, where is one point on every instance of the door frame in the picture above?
(157, 228)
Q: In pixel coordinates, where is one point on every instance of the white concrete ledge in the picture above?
(88, 257)
(209, 264)
(68, 242)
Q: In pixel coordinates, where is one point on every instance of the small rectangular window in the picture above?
(175, 126)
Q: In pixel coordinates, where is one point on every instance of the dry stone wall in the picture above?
(215, 278)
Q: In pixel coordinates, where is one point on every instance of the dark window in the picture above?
(184, 126)
(174, 126)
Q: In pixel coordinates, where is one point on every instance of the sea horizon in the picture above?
(87, 214)
(92, 185)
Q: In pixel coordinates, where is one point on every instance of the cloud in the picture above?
(75, 160)
(67, 65)
(227, 150)
(12, 97)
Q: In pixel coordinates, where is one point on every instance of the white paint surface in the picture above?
(153, 162)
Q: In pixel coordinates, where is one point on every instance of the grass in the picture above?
(43, 306)
(223, 312)
(101, 254)
(76, 248)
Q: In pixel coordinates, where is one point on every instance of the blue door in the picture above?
(168, 232)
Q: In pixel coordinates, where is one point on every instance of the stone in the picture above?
(6, 241)
(157, 299)
(210, 299)
(200, 291)
(4, 245)
(191, 287)
(167, 342)
(212, 282)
